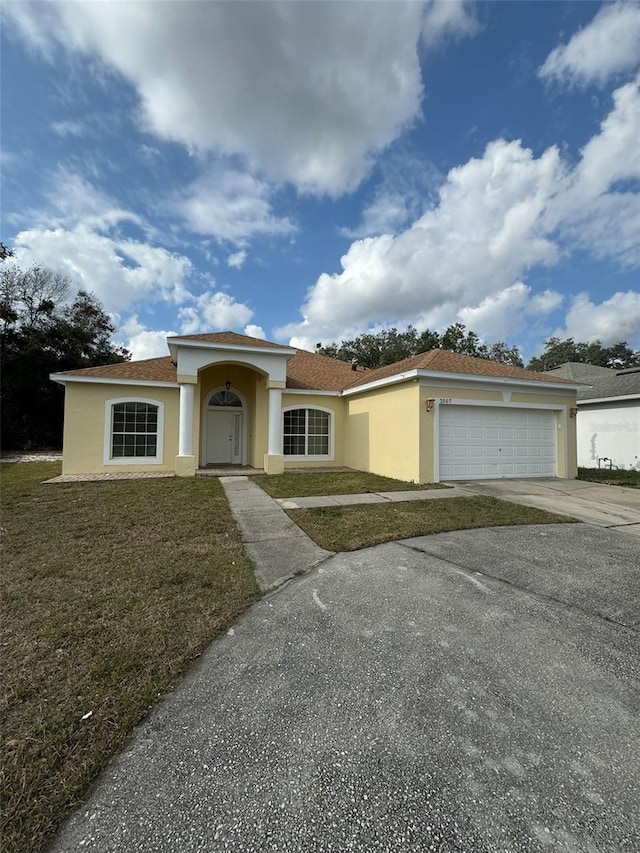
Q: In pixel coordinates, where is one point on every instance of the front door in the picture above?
(224, 437)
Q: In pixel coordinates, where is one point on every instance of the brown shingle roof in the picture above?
(313, 371)
(229, 338)
(440, 360)
(151, 369)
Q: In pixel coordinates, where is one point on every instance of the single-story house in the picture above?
(229, 399)
(608, 420)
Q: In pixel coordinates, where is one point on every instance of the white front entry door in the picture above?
(478, 442)
(223, 442)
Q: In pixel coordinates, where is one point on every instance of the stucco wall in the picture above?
(321, 401)
(84, 426)
(383, 432)
(611, 430)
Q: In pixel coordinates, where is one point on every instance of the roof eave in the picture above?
(175, 342)
(618, 399)
(422, 373)
(63, 378)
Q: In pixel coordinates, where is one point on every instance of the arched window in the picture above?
(133, 431)
(308, 433)
(225, 398)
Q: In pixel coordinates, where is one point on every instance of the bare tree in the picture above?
(32, 294)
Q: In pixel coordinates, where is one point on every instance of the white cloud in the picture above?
(609, 45)
(614, 153)
(485, 231)
(216, 311)
(615, 319)
(255, 332)
(143, 343)
(496, 217)
(230, 205)
(408, 186)
(119, 272)
(80, 235)
(72, 199)
(386, 214)
(448, 19)
(608, 228)
(589, 210)
(305, 92)
(69, 128)
(237, 259)
(506, 313)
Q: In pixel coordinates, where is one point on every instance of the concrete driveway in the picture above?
(471, 691)
(607, 506)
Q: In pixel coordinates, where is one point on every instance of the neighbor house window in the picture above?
(134, 432)
(307, 432)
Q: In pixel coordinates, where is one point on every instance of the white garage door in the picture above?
(478, 442)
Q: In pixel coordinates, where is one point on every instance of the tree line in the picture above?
(41, 332)
(377, 349)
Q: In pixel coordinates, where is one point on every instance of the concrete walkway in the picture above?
(372, 498)
(277, 546)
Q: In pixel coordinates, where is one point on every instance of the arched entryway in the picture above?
(223, 428)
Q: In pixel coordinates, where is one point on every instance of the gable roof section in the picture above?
(443, 361)
(603, 382)
(581, 372)
(148, 370)
(618, 385)
(231, 338)
(309, 370)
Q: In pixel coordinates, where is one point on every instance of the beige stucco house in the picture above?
(228, 399)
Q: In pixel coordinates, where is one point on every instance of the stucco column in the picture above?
(273, 459)
(275, 421)
(185, 460)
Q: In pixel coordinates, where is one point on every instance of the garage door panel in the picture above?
(479, 442)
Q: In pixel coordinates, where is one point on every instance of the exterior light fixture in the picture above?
(227, 384)
(428, 404)
(573, 411)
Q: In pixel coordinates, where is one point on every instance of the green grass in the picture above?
(304, 484)
(352, 527)
(109, 590)
(631, 479)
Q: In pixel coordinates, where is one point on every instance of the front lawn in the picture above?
(349, 528)
(109, 590)
(309, 483)
(631, 479)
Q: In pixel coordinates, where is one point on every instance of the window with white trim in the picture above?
(307, 432)
(133, 433)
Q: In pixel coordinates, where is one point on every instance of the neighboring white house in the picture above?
(608, 417)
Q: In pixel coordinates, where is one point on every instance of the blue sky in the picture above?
(308, 171)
